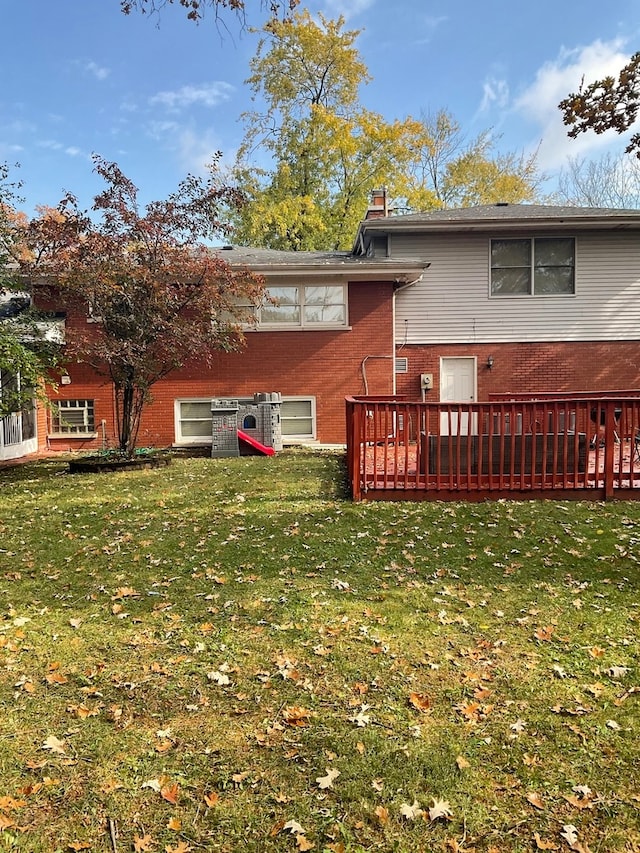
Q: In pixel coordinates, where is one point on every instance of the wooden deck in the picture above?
(581, 447)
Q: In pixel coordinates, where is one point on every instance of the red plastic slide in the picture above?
(257, 445)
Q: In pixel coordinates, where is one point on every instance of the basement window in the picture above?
(71, 417)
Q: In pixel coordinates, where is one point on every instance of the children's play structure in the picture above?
(244, 428)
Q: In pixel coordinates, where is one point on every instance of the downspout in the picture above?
(364, 371)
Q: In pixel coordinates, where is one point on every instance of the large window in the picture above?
(543, 266)
(306, 306)
(71, 417)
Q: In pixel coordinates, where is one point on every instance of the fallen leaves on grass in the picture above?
(142, 843)
(420, 701)
(543, 844)
(411, 812)
(296, 716)
(382, 814)
(439, 809)
(328, 780)
(535, 799)
(54, 744)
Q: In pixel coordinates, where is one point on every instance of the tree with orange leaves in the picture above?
(157, 296)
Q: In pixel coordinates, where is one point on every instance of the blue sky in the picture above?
(158, 96)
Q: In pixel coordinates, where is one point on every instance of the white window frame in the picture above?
(532, 267)
(178, 419)
(298, 438)
(56, 419)
(302, 323)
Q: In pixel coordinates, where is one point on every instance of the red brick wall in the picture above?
(563, 366)
(324, 364)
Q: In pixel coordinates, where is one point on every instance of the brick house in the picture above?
(450, 305)
(517, 298)
(329, 334)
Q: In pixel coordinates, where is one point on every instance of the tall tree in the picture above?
(159, 299)
(326, 152)
(608, 104)
(613, 180)
(450, 170)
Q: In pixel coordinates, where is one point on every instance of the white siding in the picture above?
(452, 303)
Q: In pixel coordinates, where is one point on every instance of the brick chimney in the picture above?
(377, 205)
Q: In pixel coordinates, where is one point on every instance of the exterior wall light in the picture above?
(490, 362)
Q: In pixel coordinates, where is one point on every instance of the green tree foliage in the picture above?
(26, 356)
(327, 152)
(608, 104)
(451, 171)
(159, 299)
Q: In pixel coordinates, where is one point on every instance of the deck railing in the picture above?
(583, 446)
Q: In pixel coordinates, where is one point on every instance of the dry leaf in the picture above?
(535, 799)
(124, 592)
(170, 793)
(361, 719)
(181, 847)
(382, 814)
(439, 809)
(293, 827)
(569, 833)
(541, 844)
(175, 824)
(54, 745)
(328, 780)
(6, 822)
(544, 634)
(9, 804)
(420, 701)
(78, 845)
(142, 844)
(212, 799)
(296, 716)
(411, 812)
(303, 843)
(462, 763)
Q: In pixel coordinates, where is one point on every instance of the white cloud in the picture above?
(196, 150)
(495, 93)
(51, 144)
(162, 129)
(72, 151)
(207, 95)
(538, 103)
(98, 71)
(347, 8)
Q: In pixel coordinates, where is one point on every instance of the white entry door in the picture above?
(458, 385)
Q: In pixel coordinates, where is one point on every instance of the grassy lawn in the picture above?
(227, 655)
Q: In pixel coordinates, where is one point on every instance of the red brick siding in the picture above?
(525, 367)
(324, 364)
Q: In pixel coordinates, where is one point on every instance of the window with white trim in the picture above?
(539, 266)
(298, 418)
(305, 306)
(71, 417)
(193, 421)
